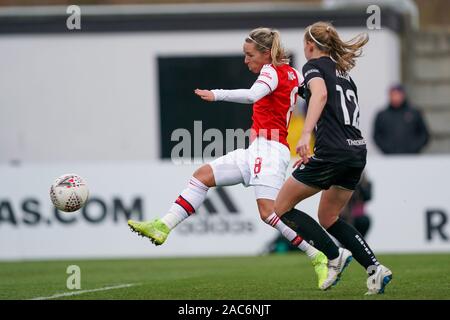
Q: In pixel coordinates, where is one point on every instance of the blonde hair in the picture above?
(327, 40)
(268, 39)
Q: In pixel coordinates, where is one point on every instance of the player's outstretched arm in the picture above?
(246, 96)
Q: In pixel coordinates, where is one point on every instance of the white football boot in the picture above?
(336, 267)
(378, 281)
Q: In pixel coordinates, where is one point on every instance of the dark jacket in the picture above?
(400, 130)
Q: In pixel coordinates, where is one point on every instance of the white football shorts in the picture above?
(263, 165)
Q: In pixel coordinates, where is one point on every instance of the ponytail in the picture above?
(328, 41)
(269, 39)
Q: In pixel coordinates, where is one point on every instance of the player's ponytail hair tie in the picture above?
(315, 40)
(259, 44)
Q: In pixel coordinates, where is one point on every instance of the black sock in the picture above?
(310, 230)
(349, 237)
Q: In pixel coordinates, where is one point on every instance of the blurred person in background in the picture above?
(400, 128)
(263, 165)
(355, 211)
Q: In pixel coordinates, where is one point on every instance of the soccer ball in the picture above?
(69, 192)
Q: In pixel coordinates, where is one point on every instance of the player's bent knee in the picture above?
(265, 208)
(281, 208)
(327, 221)
(264, 215)
(206, 175)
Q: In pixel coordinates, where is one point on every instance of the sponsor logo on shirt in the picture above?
(266, 74)
(360, 142)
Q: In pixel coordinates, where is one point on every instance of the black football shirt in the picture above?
(338, 138)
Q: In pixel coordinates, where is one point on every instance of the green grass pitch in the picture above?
(271, 277)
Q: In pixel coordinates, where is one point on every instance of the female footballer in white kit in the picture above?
(263, 165)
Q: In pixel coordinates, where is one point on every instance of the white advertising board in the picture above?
(410, 211)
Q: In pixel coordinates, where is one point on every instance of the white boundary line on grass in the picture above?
(75, 293)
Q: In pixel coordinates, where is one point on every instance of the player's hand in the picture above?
(298, 163)
(303, 147)
(205, 94)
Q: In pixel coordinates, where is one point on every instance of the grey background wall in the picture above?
(94, 96)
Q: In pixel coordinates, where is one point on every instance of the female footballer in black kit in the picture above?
(340, 150)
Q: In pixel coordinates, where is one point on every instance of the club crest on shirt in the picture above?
(291, 75)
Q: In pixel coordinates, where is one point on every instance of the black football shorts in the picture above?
(322, 174)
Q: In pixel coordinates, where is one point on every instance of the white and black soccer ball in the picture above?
(69, 192)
